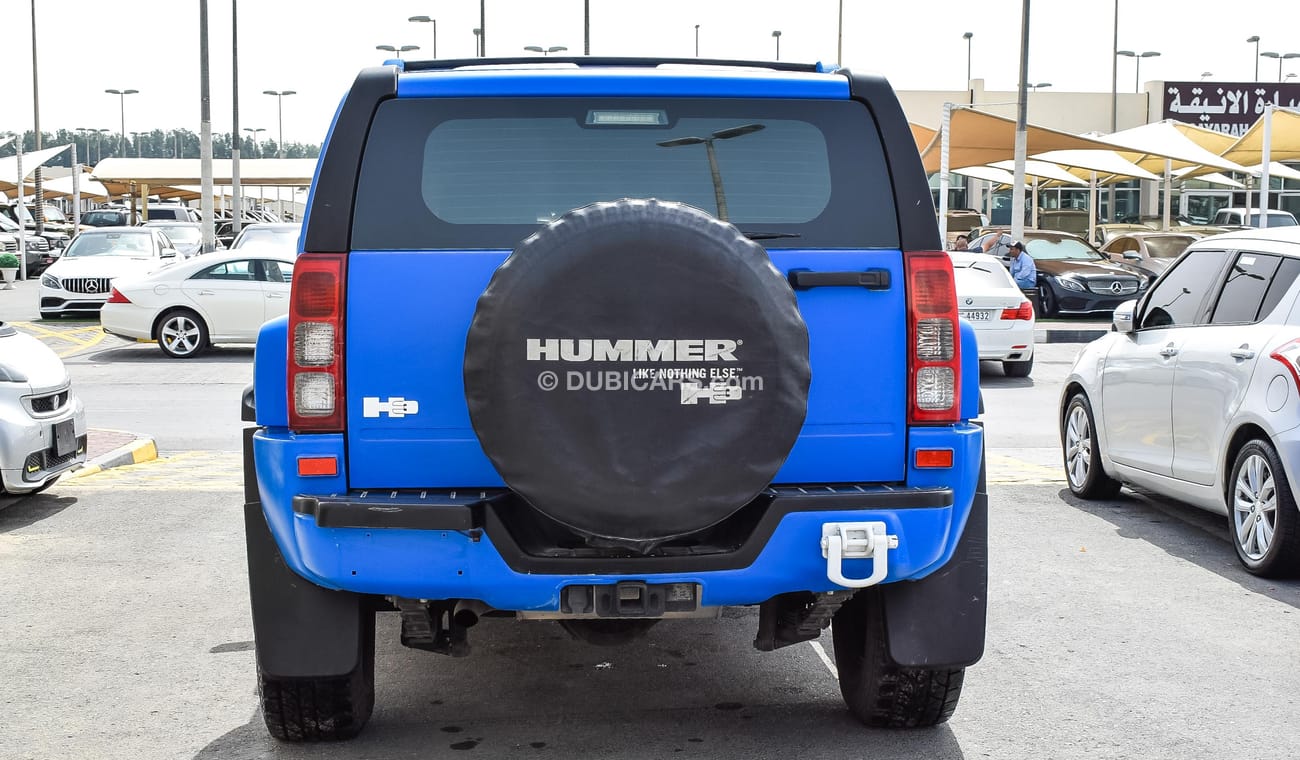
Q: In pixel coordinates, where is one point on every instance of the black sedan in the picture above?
(1073, 277)
(1152, 252)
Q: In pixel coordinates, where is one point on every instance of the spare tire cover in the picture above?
(637, 370)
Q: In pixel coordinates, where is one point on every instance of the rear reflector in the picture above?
(318, 466)
(933, 458)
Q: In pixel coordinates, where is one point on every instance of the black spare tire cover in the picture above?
(637, 370)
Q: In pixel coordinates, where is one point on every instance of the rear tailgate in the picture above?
(409, 312)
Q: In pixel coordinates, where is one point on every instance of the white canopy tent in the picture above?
(9, 164)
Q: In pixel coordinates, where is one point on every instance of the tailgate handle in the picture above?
(871, 279)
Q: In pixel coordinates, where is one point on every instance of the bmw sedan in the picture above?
(1003, 319)
(1073, 277)
(1195, 394)
(221, 297)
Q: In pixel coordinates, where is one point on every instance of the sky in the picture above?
(316, 49)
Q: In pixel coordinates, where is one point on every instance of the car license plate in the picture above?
(65, 438)
(982, 315)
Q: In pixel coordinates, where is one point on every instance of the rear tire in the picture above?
(1018, 369)
(1082, 454)
(878, 692)
(321, 709)
(1263, 521)
(182, 334)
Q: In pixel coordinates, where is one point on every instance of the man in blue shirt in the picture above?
(1023, 270)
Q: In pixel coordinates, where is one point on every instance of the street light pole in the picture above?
(429, 20)
(545, 50)
(397, 50)
(1280, 58)
(121, 135)
(1255, 39)
(39, 206)
(697, 40)
(1021, 144)
(967, 36)
(1137, 69)
(777, 35)
(279, 102)
(719, 195)
(257, 145)
(478, 42)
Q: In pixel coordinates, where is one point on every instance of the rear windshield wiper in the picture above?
(769, 235)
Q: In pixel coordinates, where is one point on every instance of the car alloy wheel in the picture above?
(1082, 455)
(1078, 447)
(1254, 507)
(181, 335)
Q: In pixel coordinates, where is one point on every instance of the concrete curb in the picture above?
(142, 449)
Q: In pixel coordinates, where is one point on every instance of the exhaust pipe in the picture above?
(467, 612)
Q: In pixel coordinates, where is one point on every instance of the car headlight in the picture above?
(50, 281)
(1069, 283)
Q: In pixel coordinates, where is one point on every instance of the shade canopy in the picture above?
(922, 135)
(977, 138)
(1107, 163)
(188, 171)
(1284, 142)
(1042, 170)
(1150, 145)
(9, 164)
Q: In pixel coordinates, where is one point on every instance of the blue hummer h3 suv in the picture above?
(613, 342)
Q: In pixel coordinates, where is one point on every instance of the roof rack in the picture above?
(587, 60)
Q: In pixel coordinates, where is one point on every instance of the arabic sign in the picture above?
(1228, 107)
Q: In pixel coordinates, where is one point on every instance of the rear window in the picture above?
(486, 173)
(980, 275)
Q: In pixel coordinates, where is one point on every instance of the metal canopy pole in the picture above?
(1266, 156)
(945, 125)
(1018, 191)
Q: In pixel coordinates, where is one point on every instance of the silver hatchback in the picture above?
(1195, 394)
(42, 424)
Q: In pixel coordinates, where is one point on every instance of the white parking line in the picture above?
(826, 660)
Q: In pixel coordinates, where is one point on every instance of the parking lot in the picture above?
(1117, 629)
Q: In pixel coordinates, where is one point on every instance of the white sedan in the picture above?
(1003, 318)
(216, 298)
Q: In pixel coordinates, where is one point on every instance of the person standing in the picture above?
(1023, 270)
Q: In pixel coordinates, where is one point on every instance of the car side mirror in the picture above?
(1130, 256)
(1123, 318)
(168, 253)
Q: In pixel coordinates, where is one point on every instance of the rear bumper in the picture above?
(1015, 343)
(470, 554)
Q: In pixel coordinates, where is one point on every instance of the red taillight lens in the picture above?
(934, 351)
(1025, 312)
(115, 296)
(316, 342)
(1289, 355)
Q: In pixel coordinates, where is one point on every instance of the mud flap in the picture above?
(301, 630)
(939, 621)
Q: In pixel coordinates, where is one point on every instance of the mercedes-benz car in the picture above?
(1073, 277)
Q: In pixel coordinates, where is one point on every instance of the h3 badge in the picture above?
(394, 407)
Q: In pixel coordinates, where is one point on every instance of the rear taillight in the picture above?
(115, 296)
(316, 342)
(1025, 312)
(934, 351)
(1289, 355)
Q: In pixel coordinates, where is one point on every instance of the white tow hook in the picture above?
(864, 540)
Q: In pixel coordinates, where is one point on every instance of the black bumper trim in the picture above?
(423, 510)
(490, 510)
